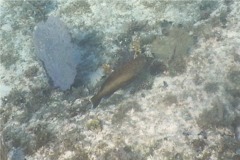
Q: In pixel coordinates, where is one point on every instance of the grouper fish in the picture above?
(119, 78)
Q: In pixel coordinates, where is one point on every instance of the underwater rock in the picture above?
(236, 126)
(157, 68)
(16, 154)
(3, 149)
(237, 133)
(54, 48)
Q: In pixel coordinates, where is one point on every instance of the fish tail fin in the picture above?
(95, 101)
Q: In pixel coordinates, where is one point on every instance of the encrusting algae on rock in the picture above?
(120, 78)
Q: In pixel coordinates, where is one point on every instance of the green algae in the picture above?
(8, 59)
(170, 99)
(35, 9)
(94, 124)
(206, 8)
(15, 97)
(219, 115)
(122, 153)
(3, 150)
(211, 87)
(173, 49)
(42, 135)
(76, 8)
(234, 77)
(121, 115)
(31, 72)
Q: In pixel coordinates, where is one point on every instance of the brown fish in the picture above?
(120, 78)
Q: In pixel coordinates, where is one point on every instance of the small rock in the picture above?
(16, 154)
(237, 132)
(238, 151)
(6, 27)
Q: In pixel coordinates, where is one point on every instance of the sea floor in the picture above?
(185, 105)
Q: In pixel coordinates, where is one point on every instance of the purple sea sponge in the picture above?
(54, 48)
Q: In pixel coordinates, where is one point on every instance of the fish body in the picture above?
(120, 78)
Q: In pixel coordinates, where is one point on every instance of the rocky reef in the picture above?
(185, 106)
